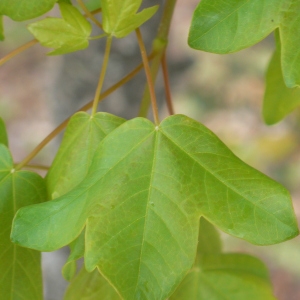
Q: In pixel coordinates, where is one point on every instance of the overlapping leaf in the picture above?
(90, 286)
(82, 137)
(20, 10)
(64, 35)
(20, 269)
(3, 134)
(141, 202)
(224, 27)
(223, 276)
(70, 166)
(77, 252)
(120, 17)
(279, 100)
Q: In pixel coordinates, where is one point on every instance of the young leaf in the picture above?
(20, 268)
(120, 17)
(64, 35)
(1, 29)
(224, 27)
(141, 201)
(20, 10)
(279, 100)
(77, 251)
(226, 276)
(90, 286)
(3, 134)
(77, 149)
(223, 276)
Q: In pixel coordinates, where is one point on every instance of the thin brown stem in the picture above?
(89, 14)
(167, 84)
(148, 75)
(15, 52)
(35, 166)
(102, 74)
(159, 45)
(87, 106)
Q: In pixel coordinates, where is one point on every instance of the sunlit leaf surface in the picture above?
(228, 26)
(142, 199)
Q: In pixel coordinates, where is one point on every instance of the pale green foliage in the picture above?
(20, 270)
(20, 10)
(64, 35)
(3, 134)
(141, 202)
(120, 17)
(279, 100)
(229, 26)
(77, 149)
(216, 276)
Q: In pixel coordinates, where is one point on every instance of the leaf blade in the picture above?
(20, 268)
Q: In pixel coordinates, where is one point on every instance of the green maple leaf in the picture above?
(90, 286)
(142, 199)
(120, 17)
(224, 27)
(71, 163)
(3, 134)
(20, 10)
(279, 100)
(217, 276)
(64, 35)
(20, 268)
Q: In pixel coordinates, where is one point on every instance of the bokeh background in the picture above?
(225, 92)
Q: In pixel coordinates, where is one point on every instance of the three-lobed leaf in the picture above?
(20, 10)
(20, 268)
(224, 27)
(64, 35)
(120, 17)
(279, 100)
(141, 202)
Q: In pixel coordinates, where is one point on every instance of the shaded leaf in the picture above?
(64, 35)
(3, 134)
(77, 252)
(223, 276)
(224, 27)
(82, 137)
(141, 202)
(93, 4)
(120, 17)
(20, 268)
(209, 241)
(279, 100)
(90, 286)
(20, 10)
(226, 276)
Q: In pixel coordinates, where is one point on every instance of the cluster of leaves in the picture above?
(130, 196)
(220, 27)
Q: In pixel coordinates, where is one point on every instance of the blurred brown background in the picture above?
(225, 93)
